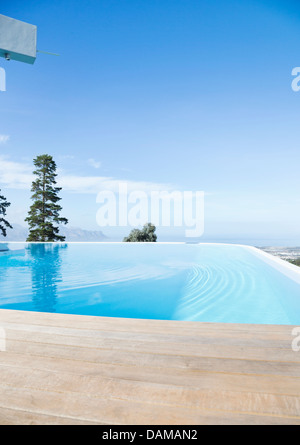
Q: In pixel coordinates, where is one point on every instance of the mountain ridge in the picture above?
(20, 233)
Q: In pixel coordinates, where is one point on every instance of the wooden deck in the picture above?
(69, 369)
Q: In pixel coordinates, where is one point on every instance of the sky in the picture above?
(161, 94)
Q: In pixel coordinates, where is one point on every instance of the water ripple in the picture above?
(217, 289)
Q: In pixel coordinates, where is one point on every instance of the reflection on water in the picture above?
(45, 274)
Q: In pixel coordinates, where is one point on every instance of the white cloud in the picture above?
(4, 138)
(63, 157)
(94, 184)
(93, 163)
(17, 175)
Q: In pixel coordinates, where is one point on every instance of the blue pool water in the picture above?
(215, 283)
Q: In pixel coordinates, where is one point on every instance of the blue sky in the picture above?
(195, 95)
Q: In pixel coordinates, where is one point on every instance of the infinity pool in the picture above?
(197, 282)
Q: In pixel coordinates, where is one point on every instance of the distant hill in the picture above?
(19, 233)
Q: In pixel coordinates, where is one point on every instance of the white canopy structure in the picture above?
(17, 40)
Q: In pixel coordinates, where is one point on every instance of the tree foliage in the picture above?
(45, 210)
(295, 261)
(4, 224)
(145, 235)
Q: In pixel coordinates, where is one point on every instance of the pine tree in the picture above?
(44, 211)
(4, 224)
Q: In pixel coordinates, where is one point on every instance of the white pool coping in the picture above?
(290, 270)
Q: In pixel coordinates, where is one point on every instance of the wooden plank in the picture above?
(157, 394)
(196, 336)
(10, 416)
(15, 340)
(132, 325)
(157, 360)
(174, 376)
(90, 408)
